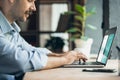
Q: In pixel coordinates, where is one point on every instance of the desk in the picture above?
(74, 74)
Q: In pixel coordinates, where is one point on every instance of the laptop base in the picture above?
(77, 64)
(82, 66)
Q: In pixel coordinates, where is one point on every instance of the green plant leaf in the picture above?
(79, 8)
(73, 30)
(91, 27)
(76, 24)
(80, 21)
(80, 18)
(93, 11)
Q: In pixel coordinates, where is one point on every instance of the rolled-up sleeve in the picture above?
(16, 55)
(39, 61)
(16, 58)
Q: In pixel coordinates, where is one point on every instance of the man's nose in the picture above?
(33, 7)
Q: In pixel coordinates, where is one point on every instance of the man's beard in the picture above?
(29, 13)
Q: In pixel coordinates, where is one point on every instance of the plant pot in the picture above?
(84, 46)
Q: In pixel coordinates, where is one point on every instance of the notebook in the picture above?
(103, 54)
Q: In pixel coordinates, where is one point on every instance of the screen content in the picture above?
(105, 48)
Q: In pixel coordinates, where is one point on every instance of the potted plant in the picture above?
(79, 25)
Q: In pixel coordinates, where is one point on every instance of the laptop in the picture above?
(103, 54)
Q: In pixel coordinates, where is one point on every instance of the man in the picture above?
(16, 55)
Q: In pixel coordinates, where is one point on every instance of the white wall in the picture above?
(115, 21)
(95, 20)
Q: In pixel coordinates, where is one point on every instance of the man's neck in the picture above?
(7, 15)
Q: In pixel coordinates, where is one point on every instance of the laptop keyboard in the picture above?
(85, 63)
(90, 63)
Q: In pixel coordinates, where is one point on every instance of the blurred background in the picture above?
(47, 25)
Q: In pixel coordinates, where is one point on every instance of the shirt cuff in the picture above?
(39, 61)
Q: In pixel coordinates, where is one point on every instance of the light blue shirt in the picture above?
(16, 55)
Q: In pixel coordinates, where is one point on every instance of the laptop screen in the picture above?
(104, 51)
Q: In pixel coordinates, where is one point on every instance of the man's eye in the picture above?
(30, 0)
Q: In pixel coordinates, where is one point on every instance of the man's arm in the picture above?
(61, 59)
(56, 60)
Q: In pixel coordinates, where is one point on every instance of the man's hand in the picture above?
(71, 56)
(56, 60)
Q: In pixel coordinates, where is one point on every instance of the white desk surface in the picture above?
(74, 74)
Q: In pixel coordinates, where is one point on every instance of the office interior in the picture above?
(43, 23)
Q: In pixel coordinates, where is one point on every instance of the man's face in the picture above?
(22, 9)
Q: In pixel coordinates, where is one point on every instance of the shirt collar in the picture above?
(6, 26)
(16, 27)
